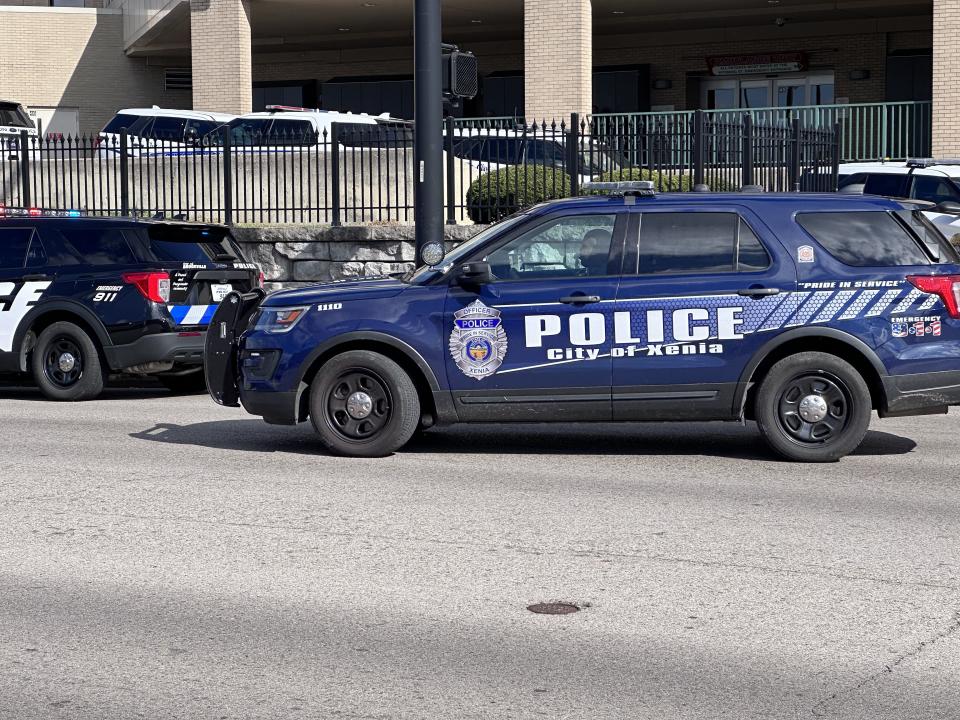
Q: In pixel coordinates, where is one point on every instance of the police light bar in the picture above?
(624, 187)
(37, 212)
(928, 162)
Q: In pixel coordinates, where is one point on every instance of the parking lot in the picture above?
(163, 557)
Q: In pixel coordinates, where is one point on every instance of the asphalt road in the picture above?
(161, 557)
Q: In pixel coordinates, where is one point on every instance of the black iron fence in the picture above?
(366, 173)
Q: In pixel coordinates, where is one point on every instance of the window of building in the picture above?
(864, 239)
(792, 90)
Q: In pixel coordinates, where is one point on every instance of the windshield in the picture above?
(464, 249)
(14, 115)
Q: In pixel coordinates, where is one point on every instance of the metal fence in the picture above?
(366, 173)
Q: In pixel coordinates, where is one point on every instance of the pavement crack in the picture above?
(820, 709)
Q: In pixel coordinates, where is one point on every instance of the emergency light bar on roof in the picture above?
(643, 188)
(37, 212)
(929, 162)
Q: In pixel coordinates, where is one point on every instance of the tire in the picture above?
(191, 384)
(66, 364)
(795, 432)
(360, 429)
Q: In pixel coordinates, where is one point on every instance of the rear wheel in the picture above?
(363, 404)
(66, 364)
(813, 407)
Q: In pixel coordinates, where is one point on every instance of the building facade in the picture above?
(539, 59)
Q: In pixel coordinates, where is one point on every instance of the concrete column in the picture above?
(558, 58)
(220, 43)
(946, 71)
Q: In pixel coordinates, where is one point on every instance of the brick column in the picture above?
(220, 43)
(558, 58)
(946, 70)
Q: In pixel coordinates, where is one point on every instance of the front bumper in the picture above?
(921, 393)
(162, 347)
(276, 408)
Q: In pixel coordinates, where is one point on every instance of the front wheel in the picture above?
(362, 404)
(66, 364)
(813, 407)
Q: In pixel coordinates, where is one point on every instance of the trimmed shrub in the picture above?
(495, 195)
(664, 181)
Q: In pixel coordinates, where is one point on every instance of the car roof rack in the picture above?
(928, 162)
(633, 188)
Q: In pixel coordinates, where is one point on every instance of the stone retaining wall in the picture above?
(299, 254)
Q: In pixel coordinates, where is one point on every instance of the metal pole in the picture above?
(25, 200)
(124, 174)
(428, 127)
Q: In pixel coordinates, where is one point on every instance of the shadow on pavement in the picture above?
(714, 439)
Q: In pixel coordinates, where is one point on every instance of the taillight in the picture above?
(154, 286)
(947, 287)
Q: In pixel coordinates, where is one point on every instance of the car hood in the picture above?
(360, 289)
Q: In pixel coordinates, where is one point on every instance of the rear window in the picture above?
(95, 245)
(864, 239)
(14, 243)
(189, 244)
(14, 115)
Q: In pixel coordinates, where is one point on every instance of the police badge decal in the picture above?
(478, 342)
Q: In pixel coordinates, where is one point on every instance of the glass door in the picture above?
(754, 94)
(791, 92)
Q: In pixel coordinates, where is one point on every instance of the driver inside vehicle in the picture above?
(594, 250)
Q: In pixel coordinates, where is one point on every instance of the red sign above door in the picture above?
(757, 64)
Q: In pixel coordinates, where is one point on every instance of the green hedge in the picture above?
(665, 182)
(495, 195)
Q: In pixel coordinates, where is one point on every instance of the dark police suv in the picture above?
(82, 297)
(802, 312)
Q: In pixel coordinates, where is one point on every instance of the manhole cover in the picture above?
(553, 608)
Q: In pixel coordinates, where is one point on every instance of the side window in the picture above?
(888, 185)
(541, 152)
(96, 245)
(14, 243)
(292, 132)
(36, 255)
(469, 149)
(690, 243)
(168, 128)
(574, 246)
(751, 255)
(864, 239)
(502, 151)
(933, 189)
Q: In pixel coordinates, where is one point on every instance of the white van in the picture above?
(159, 131)
(13, 121)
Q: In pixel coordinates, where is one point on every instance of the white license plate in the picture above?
(220, 291)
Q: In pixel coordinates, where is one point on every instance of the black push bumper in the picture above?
(162, 347)
(921, 394)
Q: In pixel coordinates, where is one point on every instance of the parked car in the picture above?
(14, 120)
(803, 312)
(84, 297)
(490, 150)
(929, 179)
(158, 131)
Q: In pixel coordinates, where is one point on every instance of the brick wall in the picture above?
(74, 58)
(558, 59)
(222, 69)
(946, 70)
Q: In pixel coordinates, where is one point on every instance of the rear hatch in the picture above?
(204, 263)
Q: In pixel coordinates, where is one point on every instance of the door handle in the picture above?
(35, 278)
(758, 292)
(580, 299)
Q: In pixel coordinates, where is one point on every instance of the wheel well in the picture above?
(420, 382)
(46, 320)
(831, 346)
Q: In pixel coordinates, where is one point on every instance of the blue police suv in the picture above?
(802, 312)
(84, 297)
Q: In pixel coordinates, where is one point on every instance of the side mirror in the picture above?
(948, 207)
(474, 275)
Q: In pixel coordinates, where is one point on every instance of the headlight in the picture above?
(279, 320)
